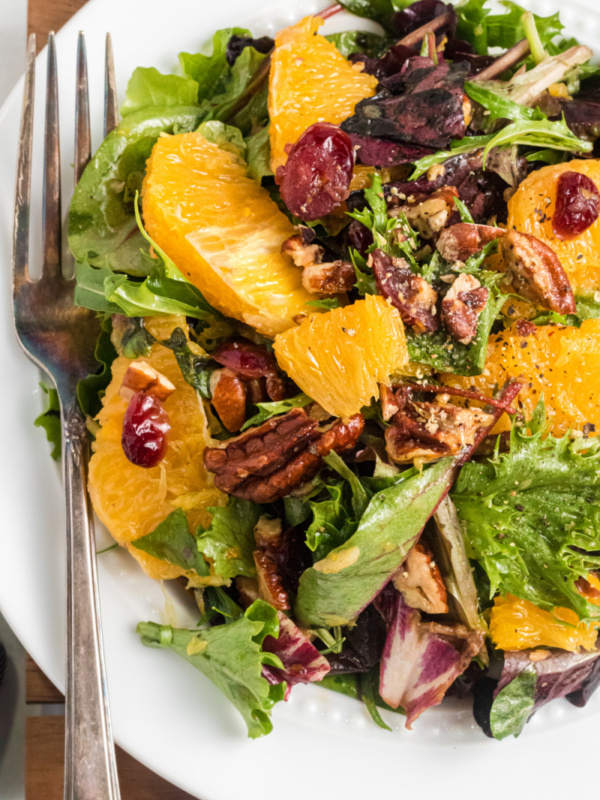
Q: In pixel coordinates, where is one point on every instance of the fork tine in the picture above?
(83, 141)
(52, 205)
(23, 191)
(111, 108)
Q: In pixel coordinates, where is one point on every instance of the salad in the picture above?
(348, 381)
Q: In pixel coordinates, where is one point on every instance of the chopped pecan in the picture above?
(335, 277)
(270, 461)
(393, 399)
(429, 214)
(301, 252)
(430, 430)
(414, 298)
(141, 377)
(460, 241)
(267, 533)
(536, 273)
(229, 398)
(461, 307)
(421, 583)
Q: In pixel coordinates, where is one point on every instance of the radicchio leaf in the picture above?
(302, 662)
(383, 153)
(421, 12)
(418, 666)
(423, 105)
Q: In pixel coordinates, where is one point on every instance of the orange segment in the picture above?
(531, 208)
(131, 500)
(223, 231)
(339, 358)
(563, 363)
(310, 81)
(517, 624)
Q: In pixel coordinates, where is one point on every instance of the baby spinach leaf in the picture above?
(366, 42)
(149, 88)
(229, 540)
(49, 420)
(102, 227)
(531, 517)
(172, 541)
(336, 589)
(196, 369)
(231, 656)
(513, 704)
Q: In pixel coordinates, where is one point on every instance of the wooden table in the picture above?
(44, 747)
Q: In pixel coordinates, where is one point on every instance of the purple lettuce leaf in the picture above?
(363, 644)
(501, 708)
(422, 105)
(421, 12)
(387, 65)
(419, 665)
(302, 662)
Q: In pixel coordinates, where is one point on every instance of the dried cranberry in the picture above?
(245, 358)
(145, 429)
(577, 205)
(316, 178)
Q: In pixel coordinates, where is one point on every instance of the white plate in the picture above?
(165, 713)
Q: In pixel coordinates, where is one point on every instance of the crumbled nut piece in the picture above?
(460, 241)
(270, 587)
(268, 462)
(229, 398)
(267, 531)
(536, 273)
(434, 172)
(390, 404)
(335, 277)
(302, 254)
(414, 298)
(462, 306)
(248, 590)
(429, 214)
(427, 431)
(421, 583)
(141, 377)
(315, 411)
(539, 655)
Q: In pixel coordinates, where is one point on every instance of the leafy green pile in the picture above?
(532, 516)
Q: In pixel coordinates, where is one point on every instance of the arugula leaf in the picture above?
(327, 303)
(365, 42)
(90, 390)
(268, 410)
(532, 516)
(102, 227)
(130, 336)
(499, 106)
(149, 88)
(336, 589)
(172, 541)
(49, 420)
(231, 656)
(369, 692)
(458, 146)
(196, 369)
(229, 540)
(513, 704)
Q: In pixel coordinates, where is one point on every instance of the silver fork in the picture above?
(60, 337)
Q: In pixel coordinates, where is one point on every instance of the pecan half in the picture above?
(429, 214)
(430, 430)
(461, 307)
(420, 581)
(335, 277)
(536, 273)
(414, 298)
(393, 400)
(270, 461)
(302, 252)
(268, 534)
(460, 241)
(229, 398)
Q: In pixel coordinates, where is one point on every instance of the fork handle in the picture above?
(90, 766)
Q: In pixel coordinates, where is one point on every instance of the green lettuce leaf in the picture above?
(381, 11)
(90, 390)
(335, 590)
(531, 516)
(229, 540)
(231, 656)
(103, 231)
(513, 705)
(272, 409)
(366, 42)
(49, 421)
(172, 541)
(211, 72)
(149, 88)
(258, 154)
(227, 137)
